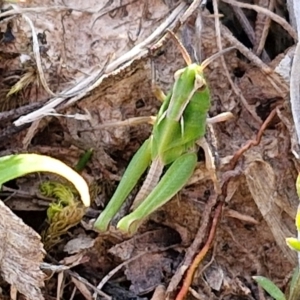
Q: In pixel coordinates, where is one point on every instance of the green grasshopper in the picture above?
(180, 123)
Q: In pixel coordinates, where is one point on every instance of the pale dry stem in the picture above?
(236, 90)
(268, 13)
(140, 51)
(264, 31)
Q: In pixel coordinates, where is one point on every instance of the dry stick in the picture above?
(268, 13)
(19, 10)
(84, 281)
(212, 201)
(6, 116)
(159, 293)
(78, 277)
(36, 51)
(192, 8)
(115, 270)
(277, 84)
(140, 51)
(280, 86)
(236, 90)
(265, 31)
(128, 122)
(190, 273)
(198, 240)
(295, 78)
(255, 142)
(247, 27)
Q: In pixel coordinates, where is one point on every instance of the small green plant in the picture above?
(62, 214)
(294, 244)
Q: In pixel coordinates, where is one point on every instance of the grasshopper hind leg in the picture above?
(150, 182)
(175, 178)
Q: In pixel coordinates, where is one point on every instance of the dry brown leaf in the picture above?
(261, 181)
(159, 293)
(83, 289)
(78, 244)
(214, 276)
(21, 253)
(147, 271)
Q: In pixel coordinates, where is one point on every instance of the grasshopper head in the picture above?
(196, 71)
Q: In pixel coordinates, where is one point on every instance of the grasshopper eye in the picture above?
(200, 83)
(178, 73)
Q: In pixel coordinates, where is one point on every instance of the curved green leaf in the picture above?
(17, 165)
(293, 243)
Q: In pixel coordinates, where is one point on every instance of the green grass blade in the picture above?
(270, 287)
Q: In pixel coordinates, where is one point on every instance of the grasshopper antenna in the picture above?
(207, 61)
(182, 49)
(187, 57)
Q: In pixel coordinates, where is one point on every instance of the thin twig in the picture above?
(285, 25)
(138, 52)
(255, 142)
(128, 122)
(190, 273)
(247, 27)
(106, 278)
(26, 195)
(36, 51)
(78, 277)
(206, 215)
(266, 27)
(236, 90)
(280, 86)
(194, 247)
(17, 112)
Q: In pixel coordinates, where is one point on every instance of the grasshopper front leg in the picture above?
(170, 184)
(210, 164)
(209, 158)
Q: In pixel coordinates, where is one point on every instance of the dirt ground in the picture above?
(98, 60)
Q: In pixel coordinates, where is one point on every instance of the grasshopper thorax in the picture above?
(200, 83)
